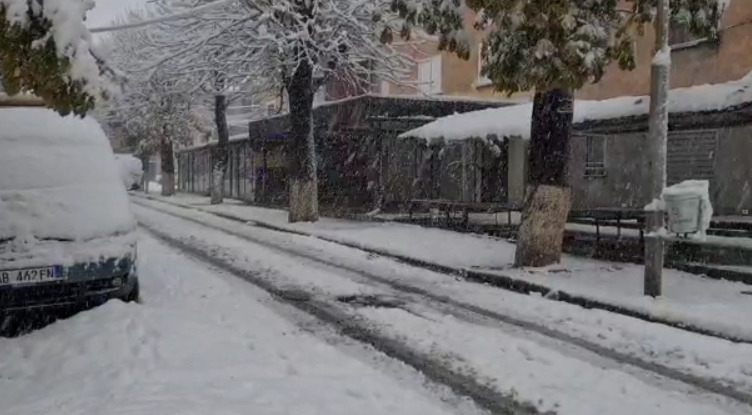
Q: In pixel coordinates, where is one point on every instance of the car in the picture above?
(131, 170)
(67, 235)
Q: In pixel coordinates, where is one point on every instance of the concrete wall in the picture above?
(626, 173)
(733, 171)
(623, 183)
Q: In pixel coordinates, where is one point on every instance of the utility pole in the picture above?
(658, 137)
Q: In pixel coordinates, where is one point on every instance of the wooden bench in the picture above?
(464, 208)
(610, 217)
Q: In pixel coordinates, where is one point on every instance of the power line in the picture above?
(161, 19)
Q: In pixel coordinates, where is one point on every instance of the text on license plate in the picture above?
(30, 275)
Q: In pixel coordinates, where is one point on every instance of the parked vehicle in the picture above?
(67, 236)
(131, 170)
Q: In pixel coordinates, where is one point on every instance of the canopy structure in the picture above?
(514, 121)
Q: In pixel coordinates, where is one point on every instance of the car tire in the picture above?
(134, 295)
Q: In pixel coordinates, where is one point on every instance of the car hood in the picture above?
(73, 212)
(16, 254)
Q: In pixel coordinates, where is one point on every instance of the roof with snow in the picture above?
(395, 113)
(515, 121)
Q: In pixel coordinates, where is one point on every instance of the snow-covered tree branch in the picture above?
(552, 47)
(156, 107)
(272, 45)
(45, 48)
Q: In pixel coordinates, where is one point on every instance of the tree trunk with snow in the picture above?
(144, 157)
(548, 196)
(302, 182)
(167, 157)
(658, 136)
(221, 152)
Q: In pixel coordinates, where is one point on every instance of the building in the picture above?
(693, 61)
(352, 139)
(443, 73)
(710, 138)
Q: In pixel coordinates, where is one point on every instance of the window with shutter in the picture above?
(436, 74)
(384, 90)
(679, 37)
(691, 155)
(429, 76)
(424, 77)
(595, 156)
(481, 80)
(271, 108)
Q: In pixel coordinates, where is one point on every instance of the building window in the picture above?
(271, 108)
(595, 156)
(429, 76)
(691, 155)
(680, 37)
(481, 80)
(384, 88)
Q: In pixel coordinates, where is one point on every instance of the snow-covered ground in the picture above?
(201, 343)
(720, 306)
(690, 353)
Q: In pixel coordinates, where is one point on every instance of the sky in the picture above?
(106, 11)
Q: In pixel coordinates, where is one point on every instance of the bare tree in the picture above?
(293, 45)
(155, 106)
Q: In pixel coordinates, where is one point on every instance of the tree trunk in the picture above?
(548, 196)
(167, 156)
(302, 182)
(221, 152)
(145, 175)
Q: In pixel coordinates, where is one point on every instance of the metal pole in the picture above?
(658, 134)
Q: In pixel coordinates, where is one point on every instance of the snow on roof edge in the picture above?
(514, 121)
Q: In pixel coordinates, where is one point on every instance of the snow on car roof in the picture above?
(58, 178)
(514, 121)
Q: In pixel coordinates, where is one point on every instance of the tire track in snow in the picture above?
(494, 279)
(471, 313)
(483, 395)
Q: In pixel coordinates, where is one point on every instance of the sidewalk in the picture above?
(716, 306)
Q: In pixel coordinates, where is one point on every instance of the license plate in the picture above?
(31, 275)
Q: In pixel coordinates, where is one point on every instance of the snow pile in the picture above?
(131, 169)
(685, 198)
(58, 178)
(191, 348)
(515, 121)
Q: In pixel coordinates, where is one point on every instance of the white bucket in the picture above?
(683, 212)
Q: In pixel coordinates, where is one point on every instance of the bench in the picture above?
(610, 217)
(464, 208)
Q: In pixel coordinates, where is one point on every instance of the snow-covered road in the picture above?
(207, 342)
(533, 370)
(201, 343)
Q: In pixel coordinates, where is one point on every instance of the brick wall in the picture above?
(726, 61)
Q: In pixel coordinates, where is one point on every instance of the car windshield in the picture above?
(58, 178)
